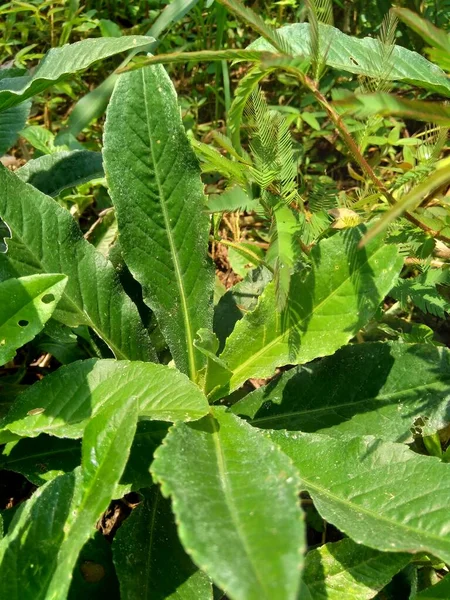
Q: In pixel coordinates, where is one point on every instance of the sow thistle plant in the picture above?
(224, 477)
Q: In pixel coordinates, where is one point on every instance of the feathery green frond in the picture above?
(212, 160)
(227, 144)
(319, 12)
(381, 67)
(243, 92)
(323, 195)
(232, 199)
(423, 292)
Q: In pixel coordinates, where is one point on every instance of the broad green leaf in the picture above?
(40, 138)
(149, 558)
(62, 62)
(39, 552)
(28, 553)
(5, 234)
(215, 374)
(53, 173)
(394, 106)
(348, 570)
(11, 122)
(46, 239)
(325, 309)
(155, 184)
(364, 56)
(62, 402)
(375, 389)
(41, 459)
(105, 449)
(235, 501)
(26, 304)
(380, 494)
(440, 591)
(244, 256)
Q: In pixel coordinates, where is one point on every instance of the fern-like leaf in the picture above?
(423, 292)
(319, 12)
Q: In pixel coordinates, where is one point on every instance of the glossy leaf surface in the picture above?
(375, 389)
(380, 494)
(347, 570)
(62, 402)
(46, 239)
(26, 304)
(155, 184)
(246, 531)
(325, 309)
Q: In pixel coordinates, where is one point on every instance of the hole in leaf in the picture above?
(23, 323)
(48, 298)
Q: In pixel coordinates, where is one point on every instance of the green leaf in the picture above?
(389, 105)
(244, 256)
(106, 444)
(39, 552)
(26, 304)
(93, 104)
(59, 63)
(64, 401)
(28, 553)
(440, 591)
(238, 300)
(411, 200)
(232, 199)
(378, 493)
(53, 173)
(46, 239)
(362, 56)
(325, 309)
(11, 123)
(348, 570)
(42, 459)
(364, 389)
(155, 184)
(432, 35)
(149, 558)
(246, 530)
(40, 138)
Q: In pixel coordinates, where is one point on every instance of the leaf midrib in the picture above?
(173, 250)
(230, 502)
(371, 513)
(280, 417)
(279, 337)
